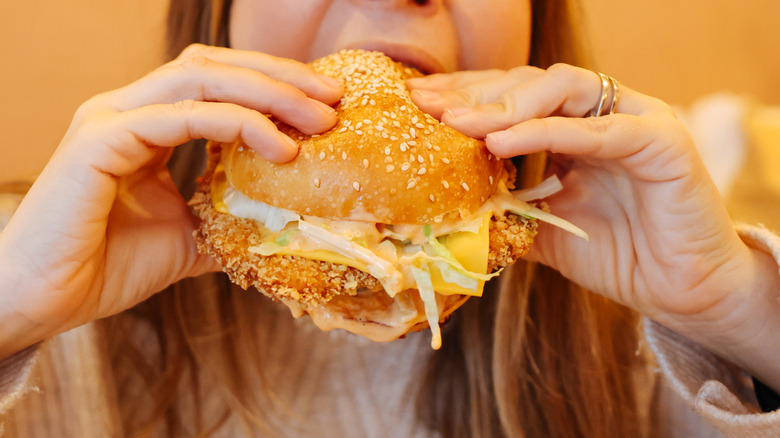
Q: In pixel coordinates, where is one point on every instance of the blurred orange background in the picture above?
(58, 54)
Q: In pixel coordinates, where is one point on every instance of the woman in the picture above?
(104, 228)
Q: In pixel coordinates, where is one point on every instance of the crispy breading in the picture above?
(227, 239)
(511, 237)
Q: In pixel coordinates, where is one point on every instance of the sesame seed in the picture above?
(445, 160)
(387, 150)
(343, 155)
(322, 155)
(412, 143)
(419, 125)
(403, 146)
(405, 167)
(421, 171)
(343, 129)
(415, 119)
(317, 182)
(394, 138)
(406, 136)
(445, 184)
(368, 122)
(365, 163)
(420, 159)
(356, 186)
(390, 168)
(490, 178)
(411, 184)
(465, 186)
(358, 132)
(432, 198)
(412, 132)
(388, 159)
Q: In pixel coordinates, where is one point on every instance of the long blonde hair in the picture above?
(539, 356)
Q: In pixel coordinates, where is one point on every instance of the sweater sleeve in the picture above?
(15, 374)
(717, 390)
(15, 371)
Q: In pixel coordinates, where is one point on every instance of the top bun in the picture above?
(385, 160)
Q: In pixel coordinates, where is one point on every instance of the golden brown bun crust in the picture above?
(384, 161)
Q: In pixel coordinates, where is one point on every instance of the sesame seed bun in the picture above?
(385, 160)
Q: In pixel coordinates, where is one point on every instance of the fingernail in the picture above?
(499, 136)
(293, 148)
(325, 108)
(330, 81)
(426, 94)
(459, 111)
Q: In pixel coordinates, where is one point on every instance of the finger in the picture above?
(451, 81)
(302, 76)
(204, 79)
(656, 149)
(526, 93)
(128, 140)
(467, 89)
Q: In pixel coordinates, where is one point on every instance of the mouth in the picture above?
(407, 55)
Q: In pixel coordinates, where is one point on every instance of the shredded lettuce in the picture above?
(552, 219)
(506, 202)
(441, 253)
(284, 238)
(422, 276)
(548, 187)
(274, 218)
(450, 274)
(266, 248)
(387, 274)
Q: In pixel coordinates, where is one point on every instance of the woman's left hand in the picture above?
(661, 240)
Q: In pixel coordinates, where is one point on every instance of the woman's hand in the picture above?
(661, 240)
(104, 227)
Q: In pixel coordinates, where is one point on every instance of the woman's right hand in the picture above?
(104, 227)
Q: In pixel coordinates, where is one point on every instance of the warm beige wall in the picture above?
(55, 54)
(679, 50)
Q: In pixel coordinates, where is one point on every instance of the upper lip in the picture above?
(410, 55)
